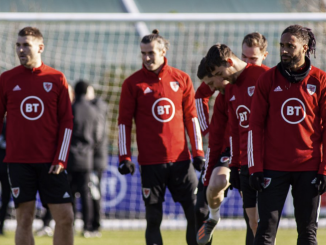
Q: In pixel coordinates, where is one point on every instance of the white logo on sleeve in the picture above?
(47, 86)
(311, 89)
(293, 111)
(163, 110)
(32, 108)
(251, 90)
(243, 113)
(174, 86)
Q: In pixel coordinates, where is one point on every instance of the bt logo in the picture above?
(293, 111)
(163, 110)
(243, 114)
(32, 108)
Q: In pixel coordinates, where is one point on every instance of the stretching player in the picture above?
(225, 66)
(254, 47)
(161, 100)
(287, 130)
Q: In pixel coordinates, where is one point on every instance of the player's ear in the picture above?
(265, 55)
(164, 51)
(229, 61)
(305, 48)
(41, 48)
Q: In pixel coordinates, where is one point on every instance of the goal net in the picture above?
(104, 50)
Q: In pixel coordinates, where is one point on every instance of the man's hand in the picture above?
(126, 167)
(235, 178)
(256, 181)
(321, 184)
(56, 169)
(198, 163)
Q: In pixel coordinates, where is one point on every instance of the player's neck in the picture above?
(35, 64)
(239, 66)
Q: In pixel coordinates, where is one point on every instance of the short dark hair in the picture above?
(81, 87)
(255, 39)
(156, 37)
(30, 31)
(305, 35)
(202, 71)
(217, 56)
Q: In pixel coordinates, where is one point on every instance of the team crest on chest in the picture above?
(311, 89)
(251, 90)
(174, 86)
(47, 86)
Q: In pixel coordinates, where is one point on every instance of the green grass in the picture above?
(175, 237)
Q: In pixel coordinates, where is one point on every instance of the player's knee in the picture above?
(25, 221)
(66, 219)
(218, 184)
(153, 217)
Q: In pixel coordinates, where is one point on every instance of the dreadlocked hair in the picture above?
(305, 35)
(155, 36)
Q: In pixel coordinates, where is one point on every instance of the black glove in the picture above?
(198, 163)
(321, 183)
(126, 167)
(256, 181)
(234, 178)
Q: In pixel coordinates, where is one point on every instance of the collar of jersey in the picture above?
(294, 77)
(153, 74)
(36, 69)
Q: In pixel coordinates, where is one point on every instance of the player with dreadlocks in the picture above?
(285, 138)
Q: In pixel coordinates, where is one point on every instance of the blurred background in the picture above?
(105, 51)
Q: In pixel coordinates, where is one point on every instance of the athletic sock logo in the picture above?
(66, 195)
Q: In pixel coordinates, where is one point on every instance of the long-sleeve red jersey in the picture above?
(288, 123)
(39, 115)
(219, 132)
(203, 93)
(240, 110)
(163, 107)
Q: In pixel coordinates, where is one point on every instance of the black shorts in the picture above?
(179, 177)
(28, 178)
(249, 195)
(224, 159)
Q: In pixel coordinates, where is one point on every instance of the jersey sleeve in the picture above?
(234, 138)
(217, 131)
(191, 120)
(322, 167)
(202, 96)
(259, 110)
(127, 107)
(65, 119)
(2, 100)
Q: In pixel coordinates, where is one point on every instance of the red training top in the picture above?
(291, 117)
(163, 106)
(239, 112)
(39, 115)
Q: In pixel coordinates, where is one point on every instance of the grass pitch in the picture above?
(173, 237)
